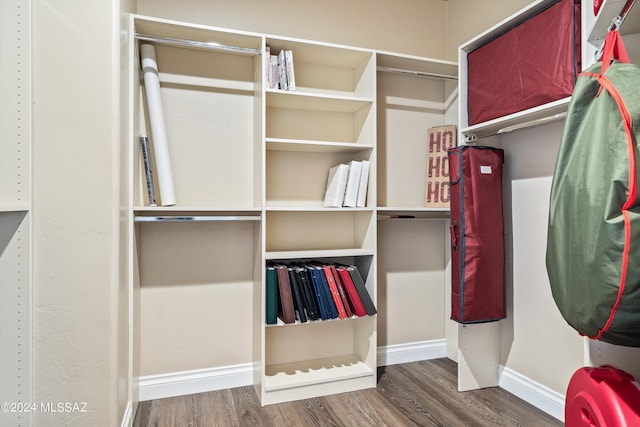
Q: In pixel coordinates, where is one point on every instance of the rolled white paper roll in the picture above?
(156, 119)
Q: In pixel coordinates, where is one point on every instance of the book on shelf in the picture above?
(347, 185)
(298, 297)
(280, 70)
(354, 297)
(353, 184)
(315, 290)
(271, 295)
(335, 294)
(336, 185)
(341, 291)
(439, 140)
(309, 299)
(148, 172)
(289, 70)
(364, 182)
(361, 288)
(285, 308)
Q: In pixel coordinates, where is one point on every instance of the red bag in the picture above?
(477, 234)
(532, 64)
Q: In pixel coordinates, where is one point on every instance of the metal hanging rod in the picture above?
(204, 218)
(416, 73)
(198, 44)
(472, 138)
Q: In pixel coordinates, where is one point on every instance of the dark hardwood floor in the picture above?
(412, 394)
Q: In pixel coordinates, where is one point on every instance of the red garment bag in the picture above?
(477, 234)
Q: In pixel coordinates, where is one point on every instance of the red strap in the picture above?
(613, 49)
(632, 194)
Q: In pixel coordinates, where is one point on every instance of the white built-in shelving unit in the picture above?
(15, 210)
(250, 167)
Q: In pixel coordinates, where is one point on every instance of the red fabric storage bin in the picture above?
(477, 234)
(602, 397)
(533, 63)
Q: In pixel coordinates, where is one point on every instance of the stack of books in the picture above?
(280, 70)
(347, 185)
(314, 290)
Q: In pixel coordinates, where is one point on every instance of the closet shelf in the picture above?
(316, 101)
(285, 144)
(315, 254)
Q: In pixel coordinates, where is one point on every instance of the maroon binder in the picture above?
(477, 234)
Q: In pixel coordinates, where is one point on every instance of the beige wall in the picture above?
(468, 18)
(79, 327)
(415, 27)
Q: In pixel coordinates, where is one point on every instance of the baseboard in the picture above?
(127, 420)
(197, 381)
(532, 392)
(411, 352)
(202, 380)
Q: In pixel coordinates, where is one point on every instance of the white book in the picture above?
(283, 70)
(353, 183)
(362, 189)
(291, 78)
(336, 184)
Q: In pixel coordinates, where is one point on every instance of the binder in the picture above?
(341, 291)
(272, 296)
(286, 312)
(354, 297)
(332, 311)
(362, 290)
(335, 295)
(308, 297)
(298, 298)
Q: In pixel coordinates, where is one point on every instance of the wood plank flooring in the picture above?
(412, 394)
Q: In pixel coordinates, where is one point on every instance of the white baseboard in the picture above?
(127, 418)
(202, 380)
(197, 381)
(411, 352)
(532, 392)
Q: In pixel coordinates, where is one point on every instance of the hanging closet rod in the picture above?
(474, 137)
(616, 24)
(198, 44)
(203, 218)
(415, 73)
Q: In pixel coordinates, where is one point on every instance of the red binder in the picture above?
(477, 234)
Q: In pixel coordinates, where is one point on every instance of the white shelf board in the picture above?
(202, 33)
(316, 101)
(13, 208)
(312, 372)
(417, 212)
(319, 52)
(608, 11)
(284, 144)
(309, 206)
(417, 64)
(324, 253)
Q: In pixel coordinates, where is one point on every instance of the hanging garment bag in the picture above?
(593, 243)
(477, 234)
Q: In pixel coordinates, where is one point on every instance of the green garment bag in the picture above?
(593, 242)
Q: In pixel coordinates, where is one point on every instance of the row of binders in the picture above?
(347, 185)
(304, 292)
(280, 70)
